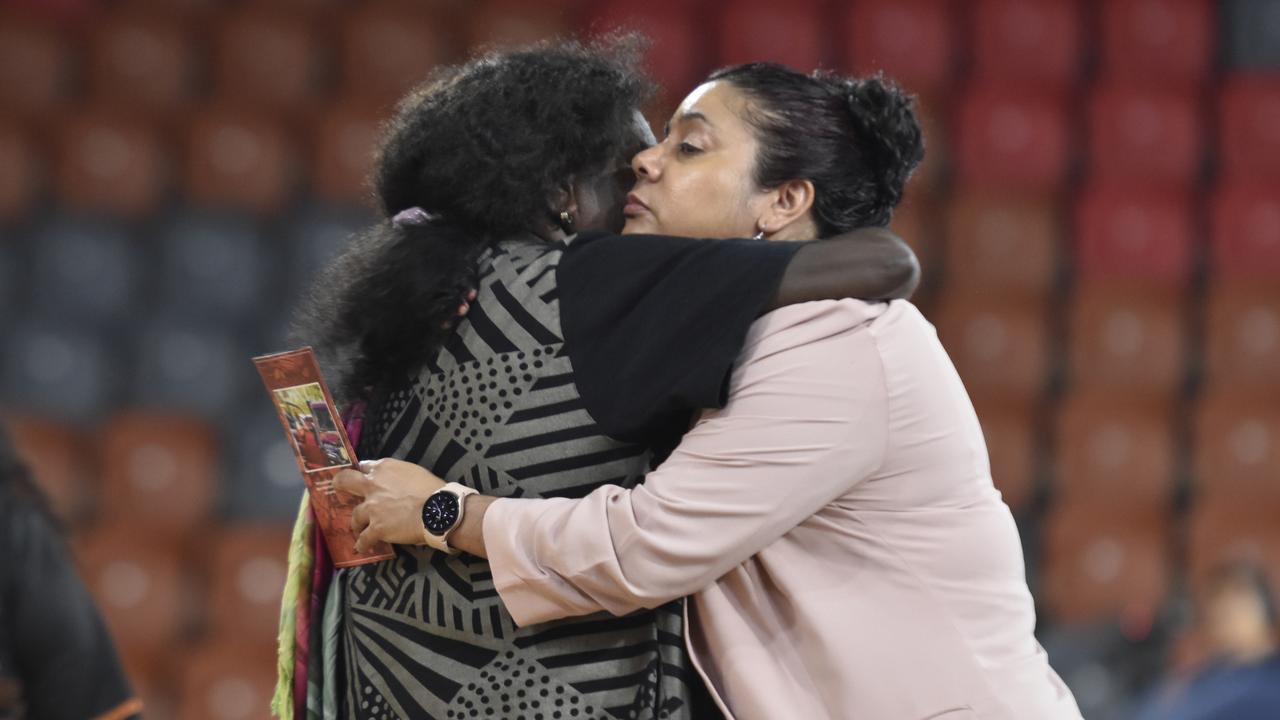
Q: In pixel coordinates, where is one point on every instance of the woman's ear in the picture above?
(563, 200)
(790, 202)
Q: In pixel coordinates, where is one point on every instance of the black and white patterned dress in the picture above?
(502, 409)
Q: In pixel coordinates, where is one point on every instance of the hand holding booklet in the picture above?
(320, 443)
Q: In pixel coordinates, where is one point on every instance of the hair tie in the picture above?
(413, 216)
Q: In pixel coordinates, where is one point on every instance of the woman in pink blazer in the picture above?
(835, 525)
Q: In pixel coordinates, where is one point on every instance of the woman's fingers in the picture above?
(352, 482)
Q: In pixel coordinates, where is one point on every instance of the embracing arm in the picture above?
(869, 263)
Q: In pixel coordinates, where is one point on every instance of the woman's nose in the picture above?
(645, 163)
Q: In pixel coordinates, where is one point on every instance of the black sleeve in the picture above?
(653, 324)
(67, 665)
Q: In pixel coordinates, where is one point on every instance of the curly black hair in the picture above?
(857, 139)
(485, 146)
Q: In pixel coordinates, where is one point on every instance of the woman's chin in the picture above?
(641, 224)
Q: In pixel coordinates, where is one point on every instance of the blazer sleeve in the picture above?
(803, 424)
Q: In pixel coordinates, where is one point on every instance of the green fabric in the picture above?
(297, 587)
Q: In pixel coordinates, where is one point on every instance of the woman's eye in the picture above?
(687, 149)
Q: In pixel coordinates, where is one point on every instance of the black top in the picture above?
(653, 325)
(56, 658)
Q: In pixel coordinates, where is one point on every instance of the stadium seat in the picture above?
(1012, 140)
(142, 59)
(86, 269)
(1126, 338)
(1117, 450)
(912, 41)
(1237, 446)
(1012, 432)
(140, 586)
(1251, 33)
(267, 59)
(191, 365)
(1143, 135)
(385, 49)
(1167, 42)
(58, 370)
(264, 483)
(227, 680)
(1002, 243)
(1242, 336)
(344, 141)
(1136, 234)
(1099, 562)
(678, 58)
(246, 580)
(110, 162)
(37, 70)
(914, 220)
(217, 265)
(1232, 531)
(750, 30)
(159, 472)
(1244, 238)
(314, 236)
(20, 176)
(237, 158)
(59, 459)
(1027, 42)
(999, 347)
(512, 23)
(1249, 126)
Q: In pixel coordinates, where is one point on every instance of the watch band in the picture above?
(441, 542)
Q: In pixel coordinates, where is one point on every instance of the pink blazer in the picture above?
(836, 529)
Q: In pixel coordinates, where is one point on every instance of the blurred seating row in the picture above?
(108, 157)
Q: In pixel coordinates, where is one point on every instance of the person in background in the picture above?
(57, 660)
(1241, 680)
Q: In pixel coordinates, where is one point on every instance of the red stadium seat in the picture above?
(19, 173)
(1125, 338)
(1116, 448)
(509, 23)
(1011, 432)
(1242, 336)
(1169, 42)
(912, 41)
(344, 140)
(793, 34)
(1145, 135)
(1012, 141)
(1223, 532)
(999, 345)
(237, 158)
(58, 458)
(678, 58)
(269, 59)
(108, 162)
(158, 471)
(1245, 231)
(1249, 126)
(140, 585)
(914, 220)
(1034, 42)
(387, 48)
(1237, 446)
(1136, 234)
(36, 66)
(246, 581)
(144, 59)
(228, 680)
(1000, 243)
(1099, 562)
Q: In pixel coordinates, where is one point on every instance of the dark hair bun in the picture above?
(889, 129)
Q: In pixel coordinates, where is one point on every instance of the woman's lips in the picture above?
(635, 206)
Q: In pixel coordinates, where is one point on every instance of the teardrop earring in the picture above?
(566, 222)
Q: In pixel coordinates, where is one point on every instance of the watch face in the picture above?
(440, 512)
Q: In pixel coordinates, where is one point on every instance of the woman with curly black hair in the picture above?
(834, 525)
(583, 357)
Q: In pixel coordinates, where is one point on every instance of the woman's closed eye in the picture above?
(688, 149)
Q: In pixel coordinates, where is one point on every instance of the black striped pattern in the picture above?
(426, 635)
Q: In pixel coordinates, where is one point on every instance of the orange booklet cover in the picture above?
(321, 445)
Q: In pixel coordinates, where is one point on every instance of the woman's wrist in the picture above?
(469, 535)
